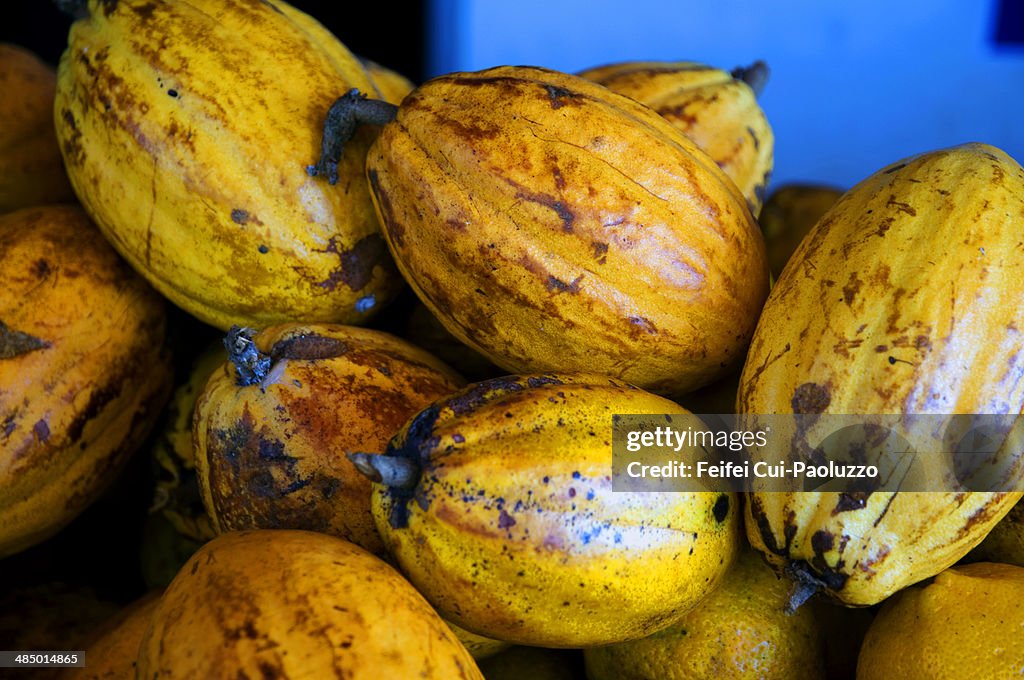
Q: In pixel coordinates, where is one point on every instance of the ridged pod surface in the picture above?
(83, 369)
(186, 130)
(31, 168)
(905, 298)
(552, 224)
(713, 107)
(513, 531)
(271, 454)
(296, 604)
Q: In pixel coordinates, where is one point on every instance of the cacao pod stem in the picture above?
(805, 585)
(15, 343)
(392, 471)
(346, 114)
(251, 365)
(755, 75)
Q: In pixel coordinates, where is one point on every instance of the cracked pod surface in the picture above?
(552, 224)
(185, 130)
(905, 298)
(508, 523)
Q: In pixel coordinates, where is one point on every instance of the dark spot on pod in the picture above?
(643, 324)
(600, 251)
(263, 249)
(505, 520)
(541, 380)
(145, 11)
(357, 264)
(479, 393)
(559, 96)
(308, 348)
(854, 500)
(555, 285)
(811, 398)
(40, 268)
(97, 401)
(822, 541)
(41, 430)
(894, 168)
(173, 93)
(239, 216)
(721, 508)
(74, 153)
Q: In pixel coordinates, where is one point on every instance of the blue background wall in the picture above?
(854, 86)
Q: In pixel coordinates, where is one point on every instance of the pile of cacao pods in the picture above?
(322, 365)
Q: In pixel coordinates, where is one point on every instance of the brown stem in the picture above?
(755, 75)
(251, 365)
(344, 117)
(392, 471)
(15, 343)
(76, 9)
(805, 585)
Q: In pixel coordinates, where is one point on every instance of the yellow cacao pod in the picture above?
(291, 604)
(554, 225)
(31, 168)
(83, 369)
(269, 448)
(903, 299)
(497, 503)
(186, 131)
(717, 109)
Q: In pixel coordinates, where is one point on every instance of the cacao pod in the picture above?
(903, 299)
(497, 503)
(270, 448)
(184, 128)
(552, 224)
(83, 369)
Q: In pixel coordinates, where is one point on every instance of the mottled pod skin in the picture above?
(31, 168)
(296, 604)
(272, 455)
(186, 130)
(513, 531)
(552, 224)
(905, 298)
(716, 109)
(83, 369)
